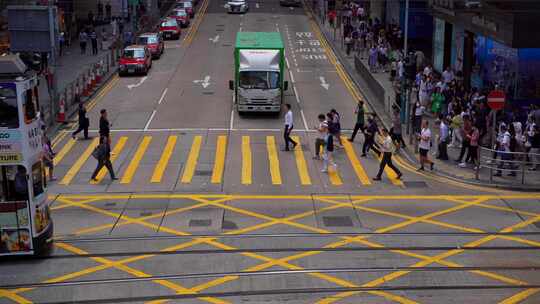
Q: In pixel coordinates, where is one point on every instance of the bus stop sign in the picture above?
(496, 99)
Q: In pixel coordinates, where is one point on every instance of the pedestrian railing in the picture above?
(524, 166)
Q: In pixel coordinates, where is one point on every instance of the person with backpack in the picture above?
(328, 159)
(386, 149)
(369, 141)
(334, 127)
(103, 155)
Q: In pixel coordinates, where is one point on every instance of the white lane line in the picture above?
(304, 119)
(292, 77)
(149, 120)
(296, 95)
(287, 62)
(163, 96)
(231, 126)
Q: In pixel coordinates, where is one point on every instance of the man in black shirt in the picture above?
(104, 125)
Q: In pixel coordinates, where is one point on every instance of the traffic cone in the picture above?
(61, 117)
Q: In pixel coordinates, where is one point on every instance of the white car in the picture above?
(237, 6)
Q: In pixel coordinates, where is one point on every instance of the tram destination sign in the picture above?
(6, 158)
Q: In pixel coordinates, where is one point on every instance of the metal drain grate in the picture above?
(415, 184)
(337, 221)
(226, 44)
(208, 93)
(219, 30)
(110, 204)
(146, 213)
(200, 223)
(203, 172)
(229, 225)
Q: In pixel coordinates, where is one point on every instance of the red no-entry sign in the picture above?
(496, 99)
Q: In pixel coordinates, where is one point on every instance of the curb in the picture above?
(407, 155)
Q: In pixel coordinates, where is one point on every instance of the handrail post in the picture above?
(523, 162)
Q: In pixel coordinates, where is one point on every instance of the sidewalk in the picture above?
(379, 92)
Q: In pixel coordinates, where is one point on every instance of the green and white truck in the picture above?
(259, 72)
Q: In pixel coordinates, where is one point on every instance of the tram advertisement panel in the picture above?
(10, 146)
(15, 235)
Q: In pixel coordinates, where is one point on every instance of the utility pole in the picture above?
(406, 34)
(52, 62)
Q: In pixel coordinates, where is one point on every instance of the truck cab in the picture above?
(259, 72)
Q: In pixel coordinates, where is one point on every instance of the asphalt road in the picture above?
(192, 171)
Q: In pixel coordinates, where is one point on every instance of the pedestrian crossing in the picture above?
(153, 158)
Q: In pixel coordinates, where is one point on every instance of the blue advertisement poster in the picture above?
(517, 71)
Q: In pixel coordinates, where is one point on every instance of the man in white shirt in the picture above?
(424, 146)
(443, 138)
(448, 75)
(386, 149)
(288, 128)
(322, 132)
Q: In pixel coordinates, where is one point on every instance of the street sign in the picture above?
(496, 99)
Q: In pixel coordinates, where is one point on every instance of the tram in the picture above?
(26, 227)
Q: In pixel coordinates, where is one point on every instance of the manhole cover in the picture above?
(337, 221)
(200, 223)
(203, 172)
(146, 213)
(415, 184)
(229, 225)
(208, 93)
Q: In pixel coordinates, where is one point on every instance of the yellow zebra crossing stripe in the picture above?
(219, 162)
(355, 163)
(134, 164)
(246, 161)
(301, 164)
(164, 160)
(273, 160)
(114, 155)
(191, 163)
(79, 163)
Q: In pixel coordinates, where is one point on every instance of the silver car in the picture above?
(237, 6)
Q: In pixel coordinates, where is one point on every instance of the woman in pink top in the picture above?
(473, 137)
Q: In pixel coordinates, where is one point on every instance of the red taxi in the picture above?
(181, 16)
(135, 59)
(188, 6)
(154, 43)
(169, 28)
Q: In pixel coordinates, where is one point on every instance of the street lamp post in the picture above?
(406, 34)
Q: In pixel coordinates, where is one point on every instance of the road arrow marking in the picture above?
(205, 82)
(324, 84)
(215, 39)
(131, 86)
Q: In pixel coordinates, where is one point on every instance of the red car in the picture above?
(188, 6)
(135, 59)
(169, 28)
(153, 42)
(181, 16)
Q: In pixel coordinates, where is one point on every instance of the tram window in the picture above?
(9, 115)
(30, 111)
(37, 178)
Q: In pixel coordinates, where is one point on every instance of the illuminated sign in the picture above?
(10, 158)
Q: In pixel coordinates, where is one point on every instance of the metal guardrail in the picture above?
(513, 163)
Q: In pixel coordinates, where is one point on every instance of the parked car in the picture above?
(297, 3)
(135, 59)
(170, 28)
(154, 43)
(237, 6)
(181, 16)
(188, 6)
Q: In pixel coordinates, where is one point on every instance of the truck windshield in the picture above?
(259, 80)
(9, 116)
